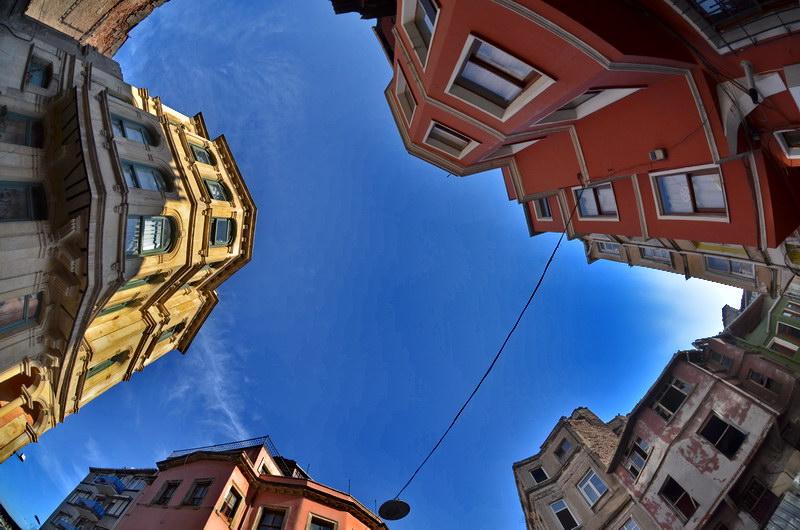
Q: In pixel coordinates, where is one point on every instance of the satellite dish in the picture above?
(394, 509)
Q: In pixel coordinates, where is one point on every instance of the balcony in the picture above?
(90, 508)
(64, 524)
(109, 485)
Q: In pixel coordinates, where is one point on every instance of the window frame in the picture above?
(26, 320)
(284, 511)
(717, 215)
(208, 182)
(652, 259)
(790, 152)
(538, 468)
(565, 452)
(535, 83)
(157, 500)
(212, 239)
(657, 406)
(163, 249)
(35, 200)
(34, 128)
(628, 522)
(601, 248)
(777, 341)
(643, 453)
(189, 498)
(577, 192)
(232, 490)
(312, 516)
(194, 148)
(455, 153)
(568, 509)
(408, 21)
(162, 181)
(586, 481)
(405, 96)
(47, 76)
(728, 426)
(108, 363)
(537, 207)
(673, 506)
(145, 130)
(763, 381)
(603, 98)
(794, 340)
(730, 272)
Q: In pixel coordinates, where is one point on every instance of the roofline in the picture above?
(124, 470)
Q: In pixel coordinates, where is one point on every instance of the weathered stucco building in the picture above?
(100, 499)
(119, 217)
(671, 143)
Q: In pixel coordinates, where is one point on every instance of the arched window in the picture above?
(217, 190)
(148, 234)
(221, 231)
(144, 177)
(131, 130)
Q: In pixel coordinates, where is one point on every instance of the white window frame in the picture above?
(603, 218)
(780, 323)
(312, 515)
(464, 152)
(566, 507)
(792, 153)
(407, 22)
(527, 95)
(401, 79)
(601, 244)
(628, 461)
(662, 261)
(606, 97)
(720, 218)
(628, 522)
(587, 482)
(510, 149)
(536, 209)
(784, 343)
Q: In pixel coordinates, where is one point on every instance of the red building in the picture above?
(668, 128)
(242, 485)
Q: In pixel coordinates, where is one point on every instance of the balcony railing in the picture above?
(105, 483)
(91, 506)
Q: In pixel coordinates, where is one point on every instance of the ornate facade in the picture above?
(119, 217)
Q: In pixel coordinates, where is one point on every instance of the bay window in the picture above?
(148, 234)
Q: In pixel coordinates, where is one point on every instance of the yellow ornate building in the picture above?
(119, 217)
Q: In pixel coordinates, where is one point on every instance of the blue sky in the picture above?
(379, 290)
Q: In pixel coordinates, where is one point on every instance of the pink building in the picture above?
(243, 486)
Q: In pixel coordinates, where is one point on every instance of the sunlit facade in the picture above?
(119, 218)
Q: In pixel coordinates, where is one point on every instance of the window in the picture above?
(167, 491)
(230, 504)
(671, 398)
(695, 193)
(405, 97)
(764, 381)
(758, 500)
(171, 332)
(115, 307)
(592, 487)
(660, 255)
(596, 201)
(271, 520)
(789, 142)
(722, 435)
(148, 234)
(264, 470)
(136, 483)
(563, 449)
(19, 311)
(791, 310)
(447, 140)
(676, 496)
(542, 208)
(539, 475)
(22, 201)
(563, 514)
(636, 457)
(783, 349)
(789, 332)
(729, 267)
(221, 232)
(609, 248)
(99, 367)
(202, 155)
(197, 493)
(493, 75)
(143, 177)
(630, 524)
(320, 524)
(723, 361)
(39, 72)
(138, 282)
(419, 20)
(131, 130)
(79, 494)
(217, 190)
(19, 129)
(117, 507)
(580, 100)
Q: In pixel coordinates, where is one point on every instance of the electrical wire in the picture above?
(496, 356)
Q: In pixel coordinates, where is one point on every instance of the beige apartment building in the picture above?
(119, 218)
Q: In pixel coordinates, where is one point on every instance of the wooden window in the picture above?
(202, 155)
(217, 190)
(148, 234)
(405, 97)
(763, 381)
(20, 129)
(271, 519)
(22, 201)
(677, 497)
(542, 208)
(788, 332)
(671, 398)
(660, 255)
(596, 201)
(166, 493)
(100, 367)
(592, 487)
(447, 140)
(730, 267)
(564, 515)
(563, 449)
(539, 475)
(197, 493)
(494, 75)
(20, 311)
(39, 72)
(131, 130)
(230, 504)
(758, 500)
(221, 231)
(636, 457)
(722, 435)
(144, 177)
(693, 193)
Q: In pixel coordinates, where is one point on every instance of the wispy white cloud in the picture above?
(56, 469)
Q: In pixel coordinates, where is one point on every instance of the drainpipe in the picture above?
(747, 66)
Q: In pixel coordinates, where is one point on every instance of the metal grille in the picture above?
(230, 446)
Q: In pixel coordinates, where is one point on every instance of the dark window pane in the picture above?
(713, 429)
(538, 475)
(567, 521)
(730, 442)
(14, 201)
(672, 399)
